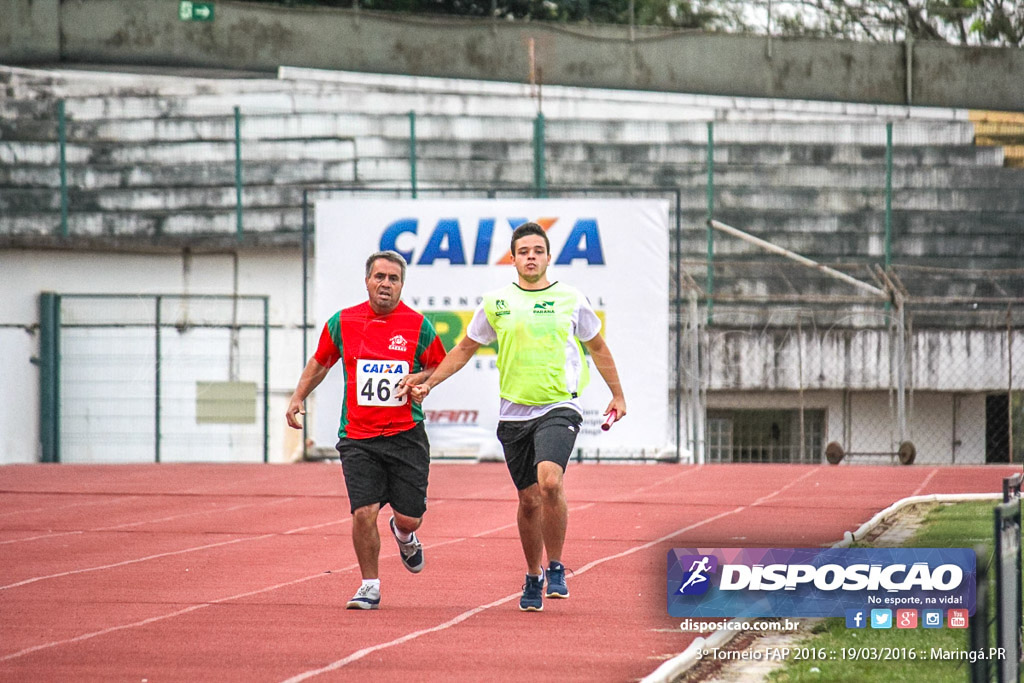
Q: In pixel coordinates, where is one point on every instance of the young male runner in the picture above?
(385, 456)
(539, 326)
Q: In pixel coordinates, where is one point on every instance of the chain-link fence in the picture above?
(144, 378)
(804, 377)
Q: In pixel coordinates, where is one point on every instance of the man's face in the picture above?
(384, 285)
(531, 257)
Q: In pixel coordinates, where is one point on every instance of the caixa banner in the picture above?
(816, 582)
(613, 250)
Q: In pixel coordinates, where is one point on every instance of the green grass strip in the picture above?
(839, 654)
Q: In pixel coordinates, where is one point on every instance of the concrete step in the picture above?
(764, 223)
(840, 200)
(723, 105)
(753, 154)
(84, 82)
(107, 176)
(103, 153)
(189, 119)
(827, 248)
(806, 189)
(905, 179)
(155, 223)
(202, 198)
(391, 94)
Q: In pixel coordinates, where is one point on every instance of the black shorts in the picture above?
(549, 437)
(388, 469)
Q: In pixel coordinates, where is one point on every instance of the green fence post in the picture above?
(238, 173)
(677, 306)
(412, 151)
(888, 194)
(62, 138)
(49, 376)
(156, 387)
(305, 306)
(539, 181)
(710, 201)
(266, 379)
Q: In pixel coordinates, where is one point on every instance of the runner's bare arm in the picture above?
(605, 364)
(452, 363)
(310, 379)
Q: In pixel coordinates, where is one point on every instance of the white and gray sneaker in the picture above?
(411, 552)
(367, 597)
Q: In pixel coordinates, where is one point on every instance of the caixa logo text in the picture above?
(445, 241)
(831, 577)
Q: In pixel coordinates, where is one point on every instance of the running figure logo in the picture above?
(696, 580)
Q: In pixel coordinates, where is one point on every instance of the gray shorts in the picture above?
(550, 437)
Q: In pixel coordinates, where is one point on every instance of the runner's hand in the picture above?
(419, 392)
(618, 405)
(295, 408)
(411, 385)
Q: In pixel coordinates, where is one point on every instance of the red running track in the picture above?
(241, 572)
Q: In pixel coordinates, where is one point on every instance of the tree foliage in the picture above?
(961, 22)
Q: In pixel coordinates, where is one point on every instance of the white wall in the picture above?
(25, 273)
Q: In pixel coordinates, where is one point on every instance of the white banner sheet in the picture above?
(614, 250)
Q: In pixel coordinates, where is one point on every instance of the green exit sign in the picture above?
(195, 11)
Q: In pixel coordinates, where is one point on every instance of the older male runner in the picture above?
(383, 445)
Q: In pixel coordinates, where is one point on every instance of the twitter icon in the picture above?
(881, 618)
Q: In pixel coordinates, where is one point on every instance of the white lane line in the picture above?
(142, 522)
(171, 553)
(36, 538)
(237, 596)
(86, 570)
(677, 475)
(57, 508)
(924, 483)
(95, 634)
(359, 654)
(267, 589)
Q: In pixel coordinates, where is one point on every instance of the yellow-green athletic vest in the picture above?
(540, 361)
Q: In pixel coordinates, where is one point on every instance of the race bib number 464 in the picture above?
(377, 380)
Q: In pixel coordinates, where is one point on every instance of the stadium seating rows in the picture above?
(153, 155)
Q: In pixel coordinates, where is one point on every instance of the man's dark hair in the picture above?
(388, 255)
(529, 229)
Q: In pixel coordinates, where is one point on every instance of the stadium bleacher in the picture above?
(153, 155)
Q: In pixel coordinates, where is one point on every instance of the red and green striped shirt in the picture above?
(378, 350)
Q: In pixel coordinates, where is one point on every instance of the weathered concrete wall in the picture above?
(246, 36)
(29, 31)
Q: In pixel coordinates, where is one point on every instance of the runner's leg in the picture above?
(554, 512)
(366, 539)
(531, 533)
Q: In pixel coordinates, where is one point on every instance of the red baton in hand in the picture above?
(608, 421)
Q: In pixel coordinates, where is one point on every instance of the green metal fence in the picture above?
(153, 377)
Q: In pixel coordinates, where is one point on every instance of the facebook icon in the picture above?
(856, 618)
